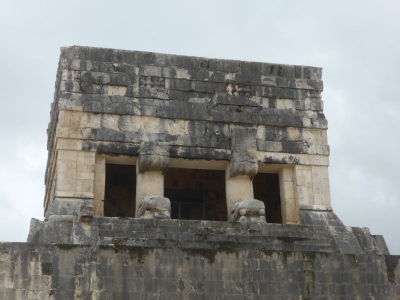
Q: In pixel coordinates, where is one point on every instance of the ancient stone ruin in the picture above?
(175, 177)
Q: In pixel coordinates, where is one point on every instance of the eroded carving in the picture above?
(153, 157)
(86, 213)
(151, 82)
(248, 210)
(238, 89)
(244, 152)
(154, 207)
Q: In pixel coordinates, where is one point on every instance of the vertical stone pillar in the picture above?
(312, 187)
(99, 186)
(242, 168)
(289, 204)
(74, 182)
(237, 187)
(321, 189)
(150, 169)
(304, 186)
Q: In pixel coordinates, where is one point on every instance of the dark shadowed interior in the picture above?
(196, 194)
(266, 189)
(120, 191)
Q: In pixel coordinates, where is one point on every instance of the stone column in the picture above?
(150, 169)
(312, 187)
(99, 186)
(242, 168)
(289, 203)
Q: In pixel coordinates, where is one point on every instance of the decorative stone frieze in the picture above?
(238, 89)
(151, 82)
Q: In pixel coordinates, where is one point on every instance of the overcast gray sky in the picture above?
(356, 42)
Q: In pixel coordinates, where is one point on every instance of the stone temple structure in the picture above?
(175, 177)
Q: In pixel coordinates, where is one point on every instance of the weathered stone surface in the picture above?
(244, 156)
(66, 206)
(154, 207)
(153, 157)
(238, 254)
(189, 88)
(86, 213)
(248, 210)
(148, 110)
(205, 234)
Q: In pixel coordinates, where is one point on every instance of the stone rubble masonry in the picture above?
(151, 111)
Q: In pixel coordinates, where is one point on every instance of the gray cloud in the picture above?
(356, 42)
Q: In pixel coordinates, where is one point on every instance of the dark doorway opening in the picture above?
(196, 194)
(266, 189)
(187, 204)
(120, 191)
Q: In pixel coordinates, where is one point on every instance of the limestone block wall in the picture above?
(173, 259)
(312, 186)
(55, 272)
(110, 101)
